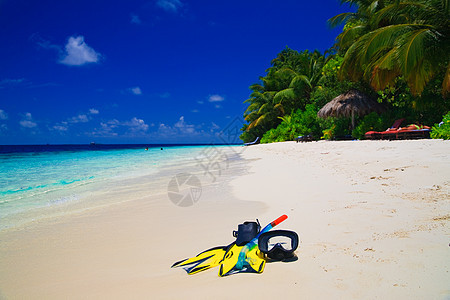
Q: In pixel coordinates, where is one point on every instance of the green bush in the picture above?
(274, 135)
(306, 122)
(443, 131)
(372, 121)
(299, 123)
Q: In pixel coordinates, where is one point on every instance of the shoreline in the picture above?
(372, 217)
(112, 191)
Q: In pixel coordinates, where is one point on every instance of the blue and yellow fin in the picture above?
(254, 261)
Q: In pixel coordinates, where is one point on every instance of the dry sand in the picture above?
(373, 219)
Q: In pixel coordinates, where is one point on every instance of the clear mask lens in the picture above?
(284, 241)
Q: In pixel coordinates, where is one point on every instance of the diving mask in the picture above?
(278, 244)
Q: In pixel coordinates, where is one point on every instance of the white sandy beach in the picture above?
(373, 219)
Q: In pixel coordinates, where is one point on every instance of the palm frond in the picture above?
(381, 38)
(395, 13)
(446, 82)
(300, 81)
(286, 119)
(252, 107)
(351, 64)
(349, 36)
(257, 88)
(383, 71)
(288, 94)
(255, 95)
(262, 108)
(419, 76)
(411, 49)
(280, 107)
(446, 6)
(251, 116)
(373, 7)
(339, 19)
(260, 119)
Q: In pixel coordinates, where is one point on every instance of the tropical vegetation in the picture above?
(442, 130)
(395, 51)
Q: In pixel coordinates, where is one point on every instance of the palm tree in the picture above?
(286, 87)
(387, 39)
(298, 91)
(262, 111)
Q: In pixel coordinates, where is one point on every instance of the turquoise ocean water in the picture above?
(34, 179)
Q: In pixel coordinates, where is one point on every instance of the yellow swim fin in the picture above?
(254, 261)
(203, 261)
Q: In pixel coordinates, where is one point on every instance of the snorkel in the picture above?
(254, 242)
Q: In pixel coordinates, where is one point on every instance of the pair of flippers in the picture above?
(243, 255)
(227, 258)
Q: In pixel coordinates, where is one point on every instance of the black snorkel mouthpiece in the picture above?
(269, 244)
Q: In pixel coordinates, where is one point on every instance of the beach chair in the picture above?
(257, 141)
(304, 138)
(397, 133)
(413, 132)
(389, 133)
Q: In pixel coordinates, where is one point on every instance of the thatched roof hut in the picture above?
(349, 104)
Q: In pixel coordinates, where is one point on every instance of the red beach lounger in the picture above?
(388, 134)
(414, 132)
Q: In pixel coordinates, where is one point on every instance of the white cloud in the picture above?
(164, 128)
(182, 130)
(3, 115)
(184, 127)
(115, 127)
(83, 118)
(136, 125)
(181, 127)
(136, 90)
(75, 53)
(195, 111)
(11, 82)
(104, 131)
(28, 121)
(215, 98)
(78, 53)
(135, 19)
(60, 128)
(170, 5)
(113, 123)
(79, 119)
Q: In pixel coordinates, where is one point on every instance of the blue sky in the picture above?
(155, 71)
